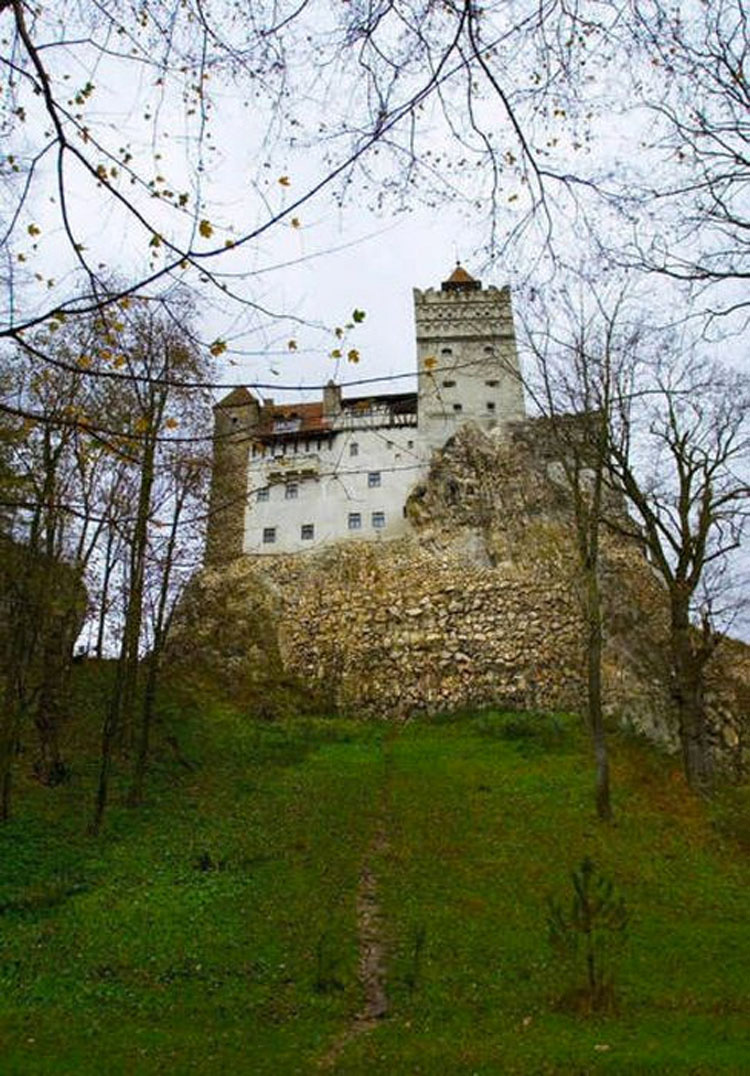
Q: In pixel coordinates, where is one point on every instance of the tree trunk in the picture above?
(106, 578)
(120, 709)
(687, 687)
(594, 693)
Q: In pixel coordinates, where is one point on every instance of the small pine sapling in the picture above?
(587, 936)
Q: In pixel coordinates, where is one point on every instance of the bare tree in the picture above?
(698, 94)
(156, 348)
(681, 458)
(580, 365)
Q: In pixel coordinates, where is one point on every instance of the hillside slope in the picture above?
(221, 927)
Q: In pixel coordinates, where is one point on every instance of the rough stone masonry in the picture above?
(476, 606)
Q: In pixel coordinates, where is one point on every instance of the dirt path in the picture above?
(370, 933)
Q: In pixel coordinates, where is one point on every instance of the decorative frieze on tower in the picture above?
(467, 360)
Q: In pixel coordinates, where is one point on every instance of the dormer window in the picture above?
(287, 424)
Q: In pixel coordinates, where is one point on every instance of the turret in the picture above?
(235, 419)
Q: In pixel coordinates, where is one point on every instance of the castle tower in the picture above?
(235, 418)
(468, 367)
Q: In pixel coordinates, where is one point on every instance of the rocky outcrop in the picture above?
(478, 606)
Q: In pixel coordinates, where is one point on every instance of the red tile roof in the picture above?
(312, 419)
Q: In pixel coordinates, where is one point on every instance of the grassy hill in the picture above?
(220, 927)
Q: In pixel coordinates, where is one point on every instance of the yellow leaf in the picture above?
(430, 362)
(295, 222)
(353, 355)
(171, 423)
(336, 353)
(84, 361)
(292, 345)
(206, 229)
(118, 361)
(33, 230)
(218, 348)
(284, 181)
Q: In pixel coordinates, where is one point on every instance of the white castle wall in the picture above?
(332, 484)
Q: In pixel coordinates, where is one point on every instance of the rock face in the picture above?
(478, 606)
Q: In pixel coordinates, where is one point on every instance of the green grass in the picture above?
(214, 928)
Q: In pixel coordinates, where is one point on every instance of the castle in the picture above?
(294, 477)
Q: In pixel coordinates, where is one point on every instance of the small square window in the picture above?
(262, 494)
(410, 444)
(492, 384)
(354, 449)
(307, 532)
(292, 491)
(490, 405)
(378, 520)
(373, 479)
(269, 535)
(355, 521)
(458, 407)
(446, 350)
(449, 384)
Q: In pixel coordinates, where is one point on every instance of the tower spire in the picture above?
(460, 280)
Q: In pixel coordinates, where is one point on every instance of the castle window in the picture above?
(354, 449)
(269, 535)
(449, 384)
(489, 349)
(292, 491)
(373, 479)
(410, 444)
(492, 384)
(490, 405)
(378, 520)
(458, 407)
(307, 532)
(446, 350)
(262, 494)
(355, 521)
